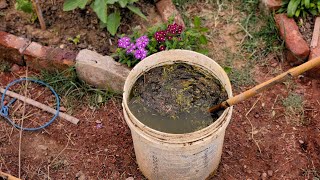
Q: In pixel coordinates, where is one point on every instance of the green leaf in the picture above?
(227, 69)
(24, 5)
(123, 3)
(307, 3)
(133, 1)
(203, 39)
(298, 13)
(136, 11)
(69, 5)
(203, 51)
(292, 7)
(313, 12)
(111, 1)
(100, 8)
(197, 22)
(113, 22)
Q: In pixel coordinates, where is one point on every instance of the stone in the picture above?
(270, 173)
(297, 48)
(12, 47)
(130, 178)
(80, 176)
(264, 176)
(270, 5)
(166, 9)
(41, 57)
(3, 4)
(15, 68)
(314, 72)
(101, 71)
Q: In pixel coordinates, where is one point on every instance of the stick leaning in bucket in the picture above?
(293, 72)
(40, 106)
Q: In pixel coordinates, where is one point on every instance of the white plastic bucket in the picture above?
(167, 156)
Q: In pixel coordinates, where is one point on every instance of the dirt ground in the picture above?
(264, 140)
(63, 27)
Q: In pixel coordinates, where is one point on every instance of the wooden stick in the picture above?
(37, 7)
(293, 72)
(316, 33)
(41, 106)
(7, 176)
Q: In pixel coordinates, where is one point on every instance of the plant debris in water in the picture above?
(176, 98)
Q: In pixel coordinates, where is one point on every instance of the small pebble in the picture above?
(14, 68)
(130, 178)
(264, 176)
(98, 121)
(301, 142)
(62, 46)
(270, 173)
(256, 116)
(63, 109)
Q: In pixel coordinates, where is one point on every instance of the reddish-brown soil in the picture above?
(258, 142)
(262, 140)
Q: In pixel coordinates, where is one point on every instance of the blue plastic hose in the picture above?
(4, 111)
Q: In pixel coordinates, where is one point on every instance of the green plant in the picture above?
(75, 40)
(74, 91)
(299, 8)
(294, 106)
(102, 8)
(164, 37)
(26, 6)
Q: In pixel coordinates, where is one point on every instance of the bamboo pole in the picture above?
(7, 176)
(293, 72)
(37, 7)
(40, 106)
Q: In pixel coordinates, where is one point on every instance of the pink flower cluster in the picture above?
(173, 30)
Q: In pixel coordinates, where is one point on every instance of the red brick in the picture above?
(12, 47)
(46, 58)
(294, 41)
(315, 72)
(167, 9)
(271, 5)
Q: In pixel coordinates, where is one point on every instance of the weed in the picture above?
(4, 66)
(294, 106)
(75, 40)
(242, 77)
(72, 90)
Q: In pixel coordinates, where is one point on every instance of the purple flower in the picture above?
(140, 54)
(124, 42)
(142, 42)
(131, 48)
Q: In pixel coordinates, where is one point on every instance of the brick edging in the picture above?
(22, 51)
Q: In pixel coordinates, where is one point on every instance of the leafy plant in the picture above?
(164, 37)
(102, 7)
(300, 8)
(24, 5)
(75, 40)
